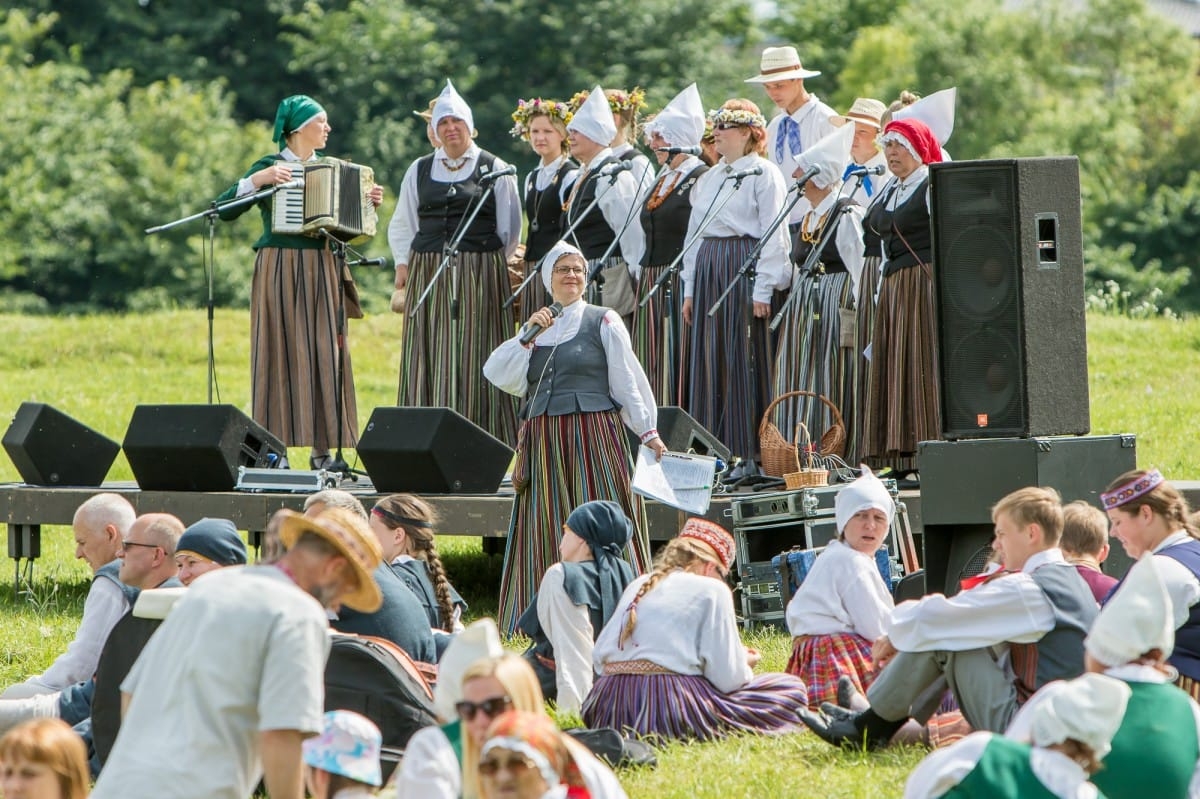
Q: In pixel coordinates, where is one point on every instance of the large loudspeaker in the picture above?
(50, 448)
(681, 433)
(962, 480)
(431, 450)
(195, 447)
(1008, 260)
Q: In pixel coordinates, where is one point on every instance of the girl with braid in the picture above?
(670, 659)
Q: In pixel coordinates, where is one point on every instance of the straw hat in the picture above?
(350, 535)
(427, 114)
(865, 110)
(781, 63)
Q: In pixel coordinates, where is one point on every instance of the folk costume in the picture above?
(582, 386)
(659, 336)
(869, 112)
(295, 296)
(441, 356)
(937, 111)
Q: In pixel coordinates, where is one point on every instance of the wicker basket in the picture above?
(779, 455)
(809, 474)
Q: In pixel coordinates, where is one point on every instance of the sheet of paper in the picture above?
(680, 480)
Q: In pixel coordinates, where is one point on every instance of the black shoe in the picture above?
(320, 462)
(834, 712)
(834, 731)
(846, 691)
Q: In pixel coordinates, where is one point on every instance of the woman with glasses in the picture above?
(442, 762)
(582, 386)
(733, 204)
(671, 661)
(526, 757)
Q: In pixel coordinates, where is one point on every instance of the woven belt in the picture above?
(635, 667)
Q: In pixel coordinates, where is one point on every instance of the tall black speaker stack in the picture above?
(1009, 298)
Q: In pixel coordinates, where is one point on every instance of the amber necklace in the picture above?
(657, 199)
(813, 236)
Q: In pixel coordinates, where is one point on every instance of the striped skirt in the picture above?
(293, 351)
(820, 660)
(660, 338)
(441, 362)
(721, 394)
(868, 284)
(811, 356)
(569, 460)
(904, 404)
(688, 707)
(535, 295)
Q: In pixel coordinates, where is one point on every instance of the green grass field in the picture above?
(98, 368)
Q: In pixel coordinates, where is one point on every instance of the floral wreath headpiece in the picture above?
(527, 109)
(618, 101)
(737, 116)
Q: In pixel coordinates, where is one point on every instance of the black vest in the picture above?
(1058, 655)
(543, 209)
(875, 220)
(911, 218)
(441, 206)
(1186, 655)
(571, 377)
(592, 233)
(666, 226)
(830, 255)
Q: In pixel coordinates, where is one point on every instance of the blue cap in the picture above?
(213, 539)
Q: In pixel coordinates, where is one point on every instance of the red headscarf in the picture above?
(918, 134)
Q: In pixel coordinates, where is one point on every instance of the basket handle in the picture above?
(807, 447)
(837, 414)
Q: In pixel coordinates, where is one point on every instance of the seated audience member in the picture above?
(99, 525)
(1156, 751)
(525, 757)
(342, 762)
(208, 545)
(576, 599)
(404, 524)
(1040, 608)
(1069, 733)
(43, 759)
(843, 606)
(1085, 545)
(441, 762)
(670, 659)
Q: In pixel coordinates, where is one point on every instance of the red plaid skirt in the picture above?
(820, 660)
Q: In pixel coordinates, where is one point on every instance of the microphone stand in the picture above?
(595, 284)
(210, 214)
(533, 273)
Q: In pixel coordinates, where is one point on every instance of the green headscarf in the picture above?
(294, 113)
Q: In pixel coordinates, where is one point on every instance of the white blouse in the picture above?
(749, 212)
(403, 227)
(542, 175)
(847, 237)
(617, 201)
(842, 594)
(508, 365)
(814, 119)
(569, 629)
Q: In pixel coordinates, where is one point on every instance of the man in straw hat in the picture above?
(866, 114)
(805, 119)
(233, 681)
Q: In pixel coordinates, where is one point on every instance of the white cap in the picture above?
(681, 123)
(935, 110)
(830, 155)
(866, 492)
(451, 104)
(551, 258)
(481, 639)
(594, 119)
(1088, 709)
(1137, 618)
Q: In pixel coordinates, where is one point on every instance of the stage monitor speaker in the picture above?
(1008, 267)
(431, 450)
(681, 433)
(50, 448)
(195, 447)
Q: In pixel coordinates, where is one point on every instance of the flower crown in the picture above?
(618, 101)
(527, 109)
(724, 116)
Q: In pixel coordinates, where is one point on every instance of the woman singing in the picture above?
(580, 380)
(294, 300)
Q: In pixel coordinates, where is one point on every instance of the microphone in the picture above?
(808, 175)
(673, 151)
(369, 262)
(298, 183)
(878, 169)
(532, 331)
(745, 173)
(497, 174)
(613, 169)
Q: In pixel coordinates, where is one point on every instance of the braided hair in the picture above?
(679, 553)
(417, 519)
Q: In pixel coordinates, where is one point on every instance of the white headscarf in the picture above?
(681, 123)
(557, 251)
(935, 110)
(594, 118)
(1088, 709)
(868, 491)
(830, 155)
(451, 104)
(1139, 617)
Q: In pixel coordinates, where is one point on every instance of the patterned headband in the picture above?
(1137, 487)
(712, 534)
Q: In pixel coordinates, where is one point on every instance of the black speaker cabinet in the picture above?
(1008, 265)
(50, 448)
(681, 433)
(431, 450)
(195, 447)
(962, 480)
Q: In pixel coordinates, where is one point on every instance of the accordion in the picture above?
(334, 198)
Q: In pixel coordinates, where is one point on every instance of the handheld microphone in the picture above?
(497, 174)
(878, 169)
(298, 183)
(808, 175)
(613, 169)
(745, 173)
(369, 262)
(532, 331)
(673, 151)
